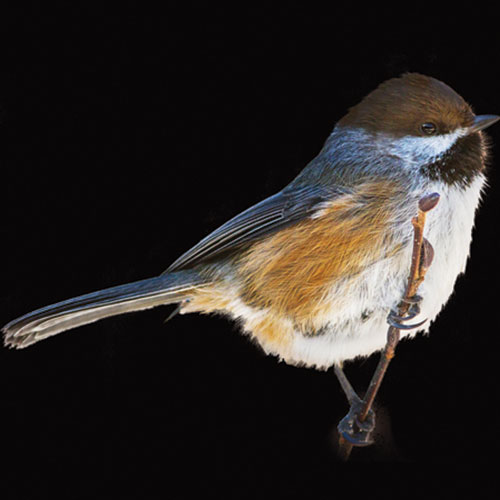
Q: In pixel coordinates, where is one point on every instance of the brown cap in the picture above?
(400, 106)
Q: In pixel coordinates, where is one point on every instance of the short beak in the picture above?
(482, 121)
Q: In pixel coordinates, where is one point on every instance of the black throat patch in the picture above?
(461, 163)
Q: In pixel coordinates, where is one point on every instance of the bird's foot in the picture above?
(353, 430)
(397, 321)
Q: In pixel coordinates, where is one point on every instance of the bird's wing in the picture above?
(273, 213)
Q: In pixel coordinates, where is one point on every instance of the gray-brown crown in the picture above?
(400, 106)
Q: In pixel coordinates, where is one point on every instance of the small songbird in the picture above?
(313, 272)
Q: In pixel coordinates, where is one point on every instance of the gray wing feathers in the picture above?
(268, 216)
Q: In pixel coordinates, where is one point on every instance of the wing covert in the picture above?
(273, 213)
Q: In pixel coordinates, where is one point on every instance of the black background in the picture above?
(128, 134)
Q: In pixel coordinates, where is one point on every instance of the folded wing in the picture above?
(268, 216)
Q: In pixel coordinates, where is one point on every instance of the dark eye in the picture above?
(428, 128)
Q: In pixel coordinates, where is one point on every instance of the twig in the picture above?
(422, 256)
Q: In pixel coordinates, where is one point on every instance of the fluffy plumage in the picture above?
(312, 272)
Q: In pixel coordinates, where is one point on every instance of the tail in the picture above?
(56, 318)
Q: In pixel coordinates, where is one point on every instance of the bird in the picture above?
(314, 273)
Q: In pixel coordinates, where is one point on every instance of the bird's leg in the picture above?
(350, 427)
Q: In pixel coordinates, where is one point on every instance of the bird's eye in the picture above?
(428, 128)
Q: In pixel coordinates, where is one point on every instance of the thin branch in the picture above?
(421, 259)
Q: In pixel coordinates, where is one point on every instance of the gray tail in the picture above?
(56, 318)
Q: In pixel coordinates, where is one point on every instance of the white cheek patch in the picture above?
(425, 149)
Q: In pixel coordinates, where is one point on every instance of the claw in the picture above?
(397, 321)
(411, 314)
(413, 311)
(401, 326)
(355, 432)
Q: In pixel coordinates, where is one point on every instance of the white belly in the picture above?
(448, 229)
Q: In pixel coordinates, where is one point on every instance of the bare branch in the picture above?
(422, 256)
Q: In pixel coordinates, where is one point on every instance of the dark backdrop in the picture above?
(129, 134)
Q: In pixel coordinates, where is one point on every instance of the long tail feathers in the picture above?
(56, 318)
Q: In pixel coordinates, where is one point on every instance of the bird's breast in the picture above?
(449, 229)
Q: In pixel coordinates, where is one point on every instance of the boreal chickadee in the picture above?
(312, 272)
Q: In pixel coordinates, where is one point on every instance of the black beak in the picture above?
(482, 121)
